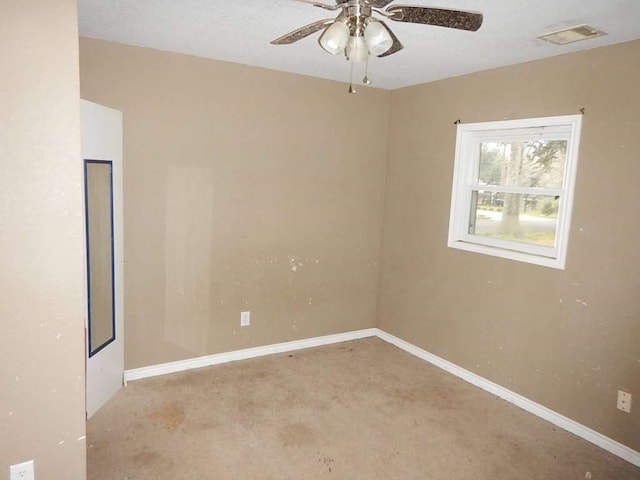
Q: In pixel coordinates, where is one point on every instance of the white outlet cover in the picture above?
(624, 401)
(245, 319)
(22, 471)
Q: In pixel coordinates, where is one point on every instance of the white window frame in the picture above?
(465, 181)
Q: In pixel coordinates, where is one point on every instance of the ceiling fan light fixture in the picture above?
(356, 50)
(357, 34)
(335, 38)
(377, 38)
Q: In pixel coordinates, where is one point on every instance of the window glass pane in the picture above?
(535, 163)
(515, 217)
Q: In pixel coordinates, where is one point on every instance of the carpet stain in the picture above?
(170, 415)
(206, 425)
(145, 457)
(296, 434)
(327, 462)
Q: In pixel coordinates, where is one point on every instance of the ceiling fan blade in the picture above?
(302, 32)
(319, 5)
(436, 16)
(396, 47)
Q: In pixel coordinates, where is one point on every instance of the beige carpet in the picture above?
(356, 410)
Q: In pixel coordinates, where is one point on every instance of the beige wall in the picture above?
(42, 306)
(245, 189)
(566, 339)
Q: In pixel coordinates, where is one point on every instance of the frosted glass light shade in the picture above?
(335, 38)
(356, 50)
(377, 38)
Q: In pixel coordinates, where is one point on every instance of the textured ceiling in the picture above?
(240, 31)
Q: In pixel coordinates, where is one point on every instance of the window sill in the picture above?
(557, 263)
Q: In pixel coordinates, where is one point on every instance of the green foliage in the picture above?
(535, 163)
(548, 209)
(491, 165)
(543, 153)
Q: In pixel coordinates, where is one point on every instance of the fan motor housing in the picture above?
(357, 15)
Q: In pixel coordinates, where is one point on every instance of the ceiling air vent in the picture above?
(573, 34)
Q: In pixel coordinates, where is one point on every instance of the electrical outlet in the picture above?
(245, 319)
(624, 401)
(22, 471)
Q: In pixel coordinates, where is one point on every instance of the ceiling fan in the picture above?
(357, 34)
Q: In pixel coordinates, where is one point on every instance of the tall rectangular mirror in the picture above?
(100, 254)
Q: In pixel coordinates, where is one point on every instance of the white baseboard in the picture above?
(218, 358)
(530, 406)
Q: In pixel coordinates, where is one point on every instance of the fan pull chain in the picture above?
(366, 80)
(352, 88)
